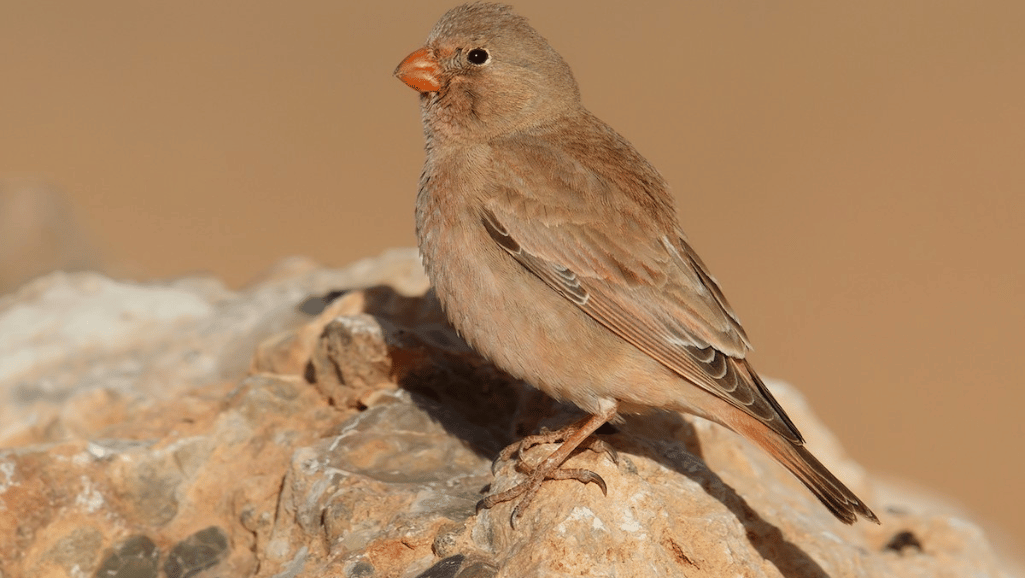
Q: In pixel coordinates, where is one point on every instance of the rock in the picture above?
(331, 423)
(135, 557)
(202, 550)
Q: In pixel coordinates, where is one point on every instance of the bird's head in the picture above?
(485, 72)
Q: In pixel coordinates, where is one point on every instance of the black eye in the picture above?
(477, 56)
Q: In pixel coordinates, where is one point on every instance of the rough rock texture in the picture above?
(330, 423)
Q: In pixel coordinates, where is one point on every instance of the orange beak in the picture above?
(420, 71)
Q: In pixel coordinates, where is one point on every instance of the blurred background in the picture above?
(853, 174)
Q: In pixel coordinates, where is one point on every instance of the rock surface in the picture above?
(330, 423)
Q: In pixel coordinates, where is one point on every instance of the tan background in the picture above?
(852, 173)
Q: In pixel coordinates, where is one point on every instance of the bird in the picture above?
(555, 250)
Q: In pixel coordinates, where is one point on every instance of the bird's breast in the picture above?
(508, 314)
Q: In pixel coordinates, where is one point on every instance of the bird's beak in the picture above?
(420, 71)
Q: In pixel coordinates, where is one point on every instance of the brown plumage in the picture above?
(555, 249)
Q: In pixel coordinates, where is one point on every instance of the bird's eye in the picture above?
(478, 56)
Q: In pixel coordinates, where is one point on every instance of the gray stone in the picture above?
(360, 569)
(136, 557)
(204, 549)
(477, 569)
(444, 568)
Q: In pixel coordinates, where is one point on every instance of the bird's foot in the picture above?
(550, 437)
(527, 490)
(571, 438)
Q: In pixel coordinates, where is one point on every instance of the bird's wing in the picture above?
(627, 266)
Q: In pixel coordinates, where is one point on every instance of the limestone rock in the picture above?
(331, 423)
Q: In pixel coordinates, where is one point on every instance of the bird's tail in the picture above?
(833, 494)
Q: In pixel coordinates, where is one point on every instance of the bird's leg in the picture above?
(572, 437)
(550, 437)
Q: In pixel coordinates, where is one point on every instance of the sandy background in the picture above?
(853, 174)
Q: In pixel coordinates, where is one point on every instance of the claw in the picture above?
(571, 437)
(601, 446)
(520, 450)
(581, 475)
(546, 436)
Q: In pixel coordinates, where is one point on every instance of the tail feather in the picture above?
(833, 494)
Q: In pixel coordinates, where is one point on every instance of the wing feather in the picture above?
(630, 269)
